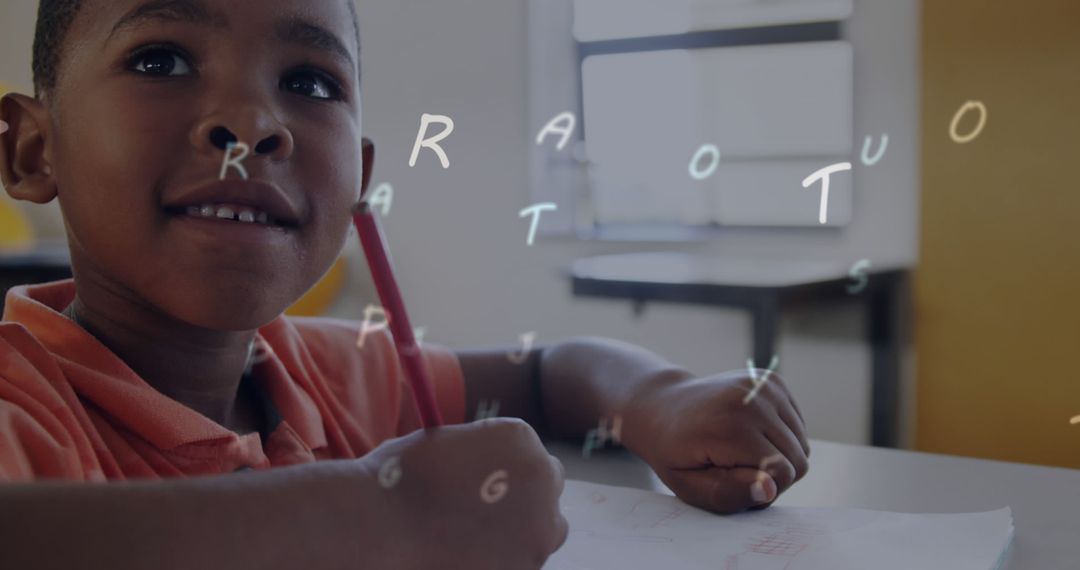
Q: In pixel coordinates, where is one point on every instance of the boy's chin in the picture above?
(226, 312)
(236, 324)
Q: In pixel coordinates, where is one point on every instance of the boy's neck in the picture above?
(205, 381)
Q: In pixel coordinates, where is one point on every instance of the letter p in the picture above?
(369, 313)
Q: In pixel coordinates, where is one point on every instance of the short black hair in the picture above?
(54, 20)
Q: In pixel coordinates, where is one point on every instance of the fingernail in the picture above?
(761, 493)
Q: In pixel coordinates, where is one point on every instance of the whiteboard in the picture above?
(597, 20)
(776, 113)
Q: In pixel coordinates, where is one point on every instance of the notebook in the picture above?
(630, 529)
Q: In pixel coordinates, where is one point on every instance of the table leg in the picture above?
(765, 314)
(885, 354)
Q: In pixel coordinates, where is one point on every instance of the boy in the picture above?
(135, 371)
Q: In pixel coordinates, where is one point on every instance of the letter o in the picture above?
(705, 149)
(970, 105)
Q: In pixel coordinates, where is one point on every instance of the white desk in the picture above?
(1045, 501)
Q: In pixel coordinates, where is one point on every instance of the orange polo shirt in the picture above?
(71, 409)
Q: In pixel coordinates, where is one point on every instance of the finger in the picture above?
(723, 490)
(562, 532)
(779, 397)
(789, 415)
(792, 422)
(790, 398)
(788, 445)
(560, 475)
(776, 463)
(561, 525)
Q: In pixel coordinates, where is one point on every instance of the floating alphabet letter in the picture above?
(486, 410)
(367, 327)
(433, 142)
(536, 212)
(708, 149)
(555, 128)
(955, 125)
(527, 340)
(823, 175)
(382, 196)
(495, 487)
(866, 159)
(759, 382)
(858, 273)
(234, 162)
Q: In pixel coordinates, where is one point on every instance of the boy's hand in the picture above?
(712, 449)
(474, 496)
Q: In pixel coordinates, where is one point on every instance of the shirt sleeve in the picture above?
(368, 380)
(448, 381)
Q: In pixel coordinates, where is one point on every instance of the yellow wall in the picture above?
(998, 286)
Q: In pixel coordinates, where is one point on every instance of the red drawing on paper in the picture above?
(775, 550)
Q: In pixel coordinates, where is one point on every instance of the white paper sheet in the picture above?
(629, 529)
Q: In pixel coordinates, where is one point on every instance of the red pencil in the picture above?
(371, 239)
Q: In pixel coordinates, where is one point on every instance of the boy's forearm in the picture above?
(509, 388)
(315, 516)
(563, 390)
(586, 379)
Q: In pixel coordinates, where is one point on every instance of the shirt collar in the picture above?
(101, 377)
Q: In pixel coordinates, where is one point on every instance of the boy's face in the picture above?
(149, 95)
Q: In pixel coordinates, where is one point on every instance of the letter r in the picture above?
(432, 142)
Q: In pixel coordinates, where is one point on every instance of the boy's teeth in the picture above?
(244, 215)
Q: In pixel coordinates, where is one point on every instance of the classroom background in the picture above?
(959, 343)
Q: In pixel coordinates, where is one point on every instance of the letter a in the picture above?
(554, 128)
(234, 162)
(384, 196)
(433, 142)
(536, 211)
(824, 175)
(369, 312)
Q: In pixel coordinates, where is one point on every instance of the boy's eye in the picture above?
(161, 62)
(312, 84)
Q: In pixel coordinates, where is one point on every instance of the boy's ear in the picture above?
(368, 151)
(24, 165)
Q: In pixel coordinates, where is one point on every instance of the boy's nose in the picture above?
(214, 137)
(221, 137)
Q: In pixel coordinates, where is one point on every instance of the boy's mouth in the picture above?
(229, 213)
(243, 202)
